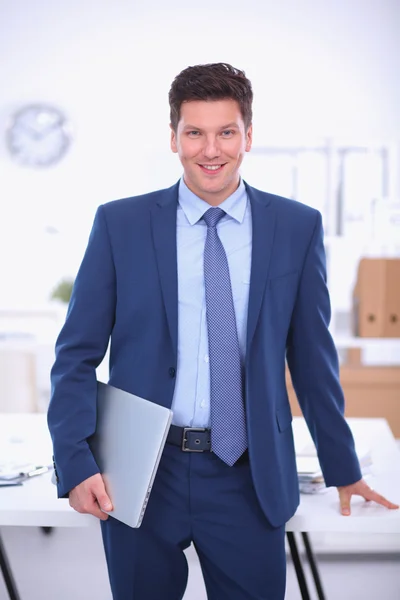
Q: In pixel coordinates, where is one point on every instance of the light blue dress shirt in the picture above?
(191, 401)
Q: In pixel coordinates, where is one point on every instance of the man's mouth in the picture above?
(212, 169)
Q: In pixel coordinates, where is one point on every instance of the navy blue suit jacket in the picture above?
(126, 289)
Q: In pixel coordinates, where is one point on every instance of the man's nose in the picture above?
(211, 148)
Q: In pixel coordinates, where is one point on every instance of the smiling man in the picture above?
(211, 139)
(206, 290)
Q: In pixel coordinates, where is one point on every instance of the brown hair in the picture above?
(217, 81)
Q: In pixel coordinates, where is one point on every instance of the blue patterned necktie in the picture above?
(228, 424)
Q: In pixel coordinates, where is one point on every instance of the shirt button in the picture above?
(206, 358)
(203, 404)
(172, 372)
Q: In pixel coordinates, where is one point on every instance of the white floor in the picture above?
(68, 564)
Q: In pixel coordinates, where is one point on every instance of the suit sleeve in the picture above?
(80, 348)
(313, 364)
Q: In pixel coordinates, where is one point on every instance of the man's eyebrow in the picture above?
(228, 126)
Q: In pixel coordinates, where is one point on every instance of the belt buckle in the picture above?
(184, 440)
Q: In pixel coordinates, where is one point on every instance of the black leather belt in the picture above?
(190, 439)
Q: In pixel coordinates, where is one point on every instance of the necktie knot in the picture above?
(213, 215)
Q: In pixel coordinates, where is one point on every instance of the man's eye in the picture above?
(193, 133)
(228, 133)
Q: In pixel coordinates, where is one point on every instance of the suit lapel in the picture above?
(163, 220)
(263, 222)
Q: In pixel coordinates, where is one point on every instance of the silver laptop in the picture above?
(127, 446)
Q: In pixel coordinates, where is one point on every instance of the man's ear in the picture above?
(249, 138)
(174, 147)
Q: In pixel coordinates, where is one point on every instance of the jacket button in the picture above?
(172, 372)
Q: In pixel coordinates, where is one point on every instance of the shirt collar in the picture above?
(194, 207)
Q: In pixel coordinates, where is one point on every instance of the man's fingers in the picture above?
(104, 502)
(96, 512)
(89, 507)
(375, 497)
(99, 491)
(99, 513)
(345, 508)
(344, 499)
(361, 489)
(90, 497)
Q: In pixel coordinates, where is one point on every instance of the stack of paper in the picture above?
(16, 474)
(309, 474)
(25, 449)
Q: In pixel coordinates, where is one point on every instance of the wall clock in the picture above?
(38, 135)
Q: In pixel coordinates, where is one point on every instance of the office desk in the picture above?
(35, 503)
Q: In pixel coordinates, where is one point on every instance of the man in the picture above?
(205, 289)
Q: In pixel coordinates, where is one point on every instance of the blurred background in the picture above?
(84, 119)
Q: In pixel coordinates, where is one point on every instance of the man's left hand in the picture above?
(360, 488)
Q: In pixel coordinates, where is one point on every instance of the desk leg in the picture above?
(313, 566)
(305, 594)
(7, 574)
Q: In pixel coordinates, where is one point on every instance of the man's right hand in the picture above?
(89, 496)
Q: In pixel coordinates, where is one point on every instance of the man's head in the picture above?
(211, 113)
(218, 81)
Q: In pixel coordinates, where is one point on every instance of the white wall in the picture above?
(318, 69)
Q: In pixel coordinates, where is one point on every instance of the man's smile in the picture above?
(212, 169)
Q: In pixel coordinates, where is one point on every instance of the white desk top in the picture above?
(36, 504)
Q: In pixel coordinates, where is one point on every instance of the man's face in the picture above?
(211, 140)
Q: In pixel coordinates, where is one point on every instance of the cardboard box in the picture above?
(370, 392)
(376, 298)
